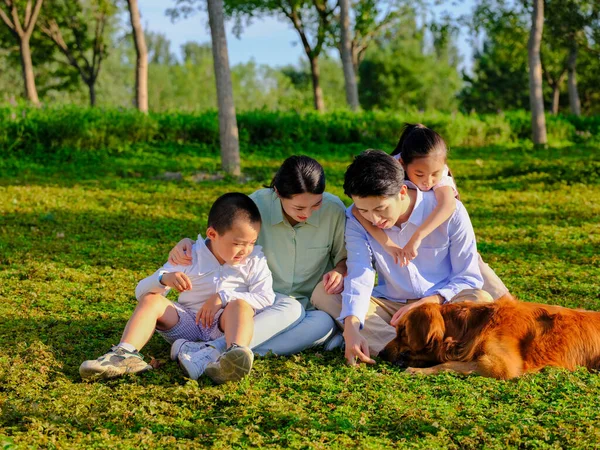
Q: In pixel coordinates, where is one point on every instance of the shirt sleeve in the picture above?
(338, 248)
(358, 285)
(463, 256)
(448, 181)
(260, 287)
(151, 285)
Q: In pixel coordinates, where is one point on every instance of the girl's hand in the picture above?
(397, 253)
(181, 254)
(411, 247)
(333, 282)
(206, 314)
(176, 280)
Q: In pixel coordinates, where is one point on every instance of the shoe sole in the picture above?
(232, 366)
(90, 373)
(176, 347)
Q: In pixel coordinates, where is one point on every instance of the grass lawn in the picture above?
(79, 230)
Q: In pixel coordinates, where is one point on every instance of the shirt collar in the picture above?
(417, 214)
(206, 260)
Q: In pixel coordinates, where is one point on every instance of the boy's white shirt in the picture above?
(250, 280)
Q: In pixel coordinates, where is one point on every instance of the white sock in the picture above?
(128, 347)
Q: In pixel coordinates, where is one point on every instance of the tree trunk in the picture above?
(346, 54)
(555, 98)
(228, 130)
(574, 101)
(92, 89)
(28, 77)
(536, 98)
(316, 83)
(141, 72)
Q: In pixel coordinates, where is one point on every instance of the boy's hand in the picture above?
(177, 280)
(208, 311)
(181, 254)
(333, 282)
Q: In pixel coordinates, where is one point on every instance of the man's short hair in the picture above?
(373, 173)
(231, 207)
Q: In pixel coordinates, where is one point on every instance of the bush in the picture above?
(40, 131)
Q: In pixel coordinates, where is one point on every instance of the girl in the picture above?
(422, 152)
(302, 236)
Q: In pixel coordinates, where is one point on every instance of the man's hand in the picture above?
(177, 280)
(436, 298)
(357, 347)
(333, 282)
(206, 314)
(181, 254)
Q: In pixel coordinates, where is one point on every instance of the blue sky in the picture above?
(267, 41)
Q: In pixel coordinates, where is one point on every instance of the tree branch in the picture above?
(7, 21)
(36, 12)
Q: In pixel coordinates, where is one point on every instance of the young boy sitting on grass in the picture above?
(227, 282)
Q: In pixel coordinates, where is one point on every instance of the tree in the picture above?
(22, 32)
(536, 96)
(312, 20)
(228, 130)
(400, 73)
(346, 55)
(78, 30)
(141, 72)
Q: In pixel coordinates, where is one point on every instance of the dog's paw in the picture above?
(415, 371)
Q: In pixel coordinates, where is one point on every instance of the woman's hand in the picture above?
(181, 254)
(333, 282)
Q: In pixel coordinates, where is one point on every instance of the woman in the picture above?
(302, 236)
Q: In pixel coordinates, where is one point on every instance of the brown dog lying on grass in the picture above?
(504, 339)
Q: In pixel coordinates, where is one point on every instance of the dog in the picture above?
(502, 340)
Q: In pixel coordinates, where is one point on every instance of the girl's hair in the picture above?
(418, 141)
(299, 175)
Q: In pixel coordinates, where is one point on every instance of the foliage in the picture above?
(79, 228)
(398, 74)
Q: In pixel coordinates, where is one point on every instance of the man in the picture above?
(445, 270)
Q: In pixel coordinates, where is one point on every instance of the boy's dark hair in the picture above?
(418, 141)
(231, 207)
(299, 175)
(373, 173)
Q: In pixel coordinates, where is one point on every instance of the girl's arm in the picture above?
(446, 204)
(380, 236)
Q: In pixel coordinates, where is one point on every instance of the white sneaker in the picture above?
(335, 341)
(194, 363)
(233, 365)
(181, 345)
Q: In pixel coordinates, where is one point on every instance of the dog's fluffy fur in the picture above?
(504, 339)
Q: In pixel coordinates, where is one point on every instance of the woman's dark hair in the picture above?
(373, 173)
(299, 175)
(418, 141)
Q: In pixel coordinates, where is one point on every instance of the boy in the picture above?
(219, 293)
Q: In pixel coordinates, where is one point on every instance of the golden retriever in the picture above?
(503, 339)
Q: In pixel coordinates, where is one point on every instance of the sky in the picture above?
(268, 41)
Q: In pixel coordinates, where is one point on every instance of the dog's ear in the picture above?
(425, 327)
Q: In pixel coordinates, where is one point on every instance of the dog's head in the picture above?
(419, 334)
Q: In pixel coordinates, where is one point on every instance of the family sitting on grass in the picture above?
(313, 270)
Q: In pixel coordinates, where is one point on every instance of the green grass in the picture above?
(77, 231)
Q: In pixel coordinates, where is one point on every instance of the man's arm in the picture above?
(463, 255)
(358, 285)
